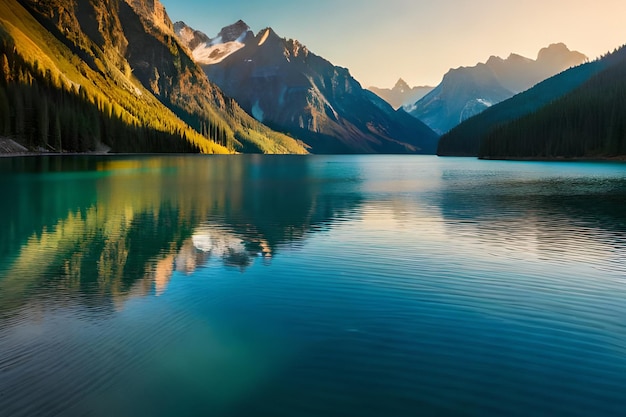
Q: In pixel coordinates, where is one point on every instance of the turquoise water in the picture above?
(311, 286)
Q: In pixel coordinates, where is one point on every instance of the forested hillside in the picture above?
(95, 74)
(587, 122)
(42, 112)
(49, 93)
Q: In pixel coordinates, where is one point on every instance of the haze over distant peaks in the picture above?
(467, 91)
(401, 94)
(533, 123)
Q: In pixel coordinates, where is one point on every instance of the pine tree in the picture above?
(5, 113)
(43, 121)
(56, 133)
(5, 69)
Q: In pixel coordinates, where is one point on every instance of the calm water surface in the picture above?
(311, 286)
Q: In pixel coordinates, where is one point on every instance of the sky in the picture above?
(380, 41)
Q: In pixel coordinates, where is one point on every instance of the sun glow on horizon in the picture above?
(380, 42)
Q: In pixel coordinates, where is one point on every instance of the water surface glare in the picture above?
(311, 286)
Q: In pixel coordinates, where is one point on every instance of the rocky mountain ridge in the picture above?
(467, 91)
(284, 85)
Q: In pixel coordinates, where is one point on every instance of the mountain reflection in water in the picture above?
(120, 226)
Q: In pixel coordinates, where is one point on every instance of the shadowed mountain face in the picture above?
(401, 94)
(467, 91)
(285, 86)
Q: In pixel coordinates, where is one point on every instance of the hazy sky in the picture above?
(382, 40)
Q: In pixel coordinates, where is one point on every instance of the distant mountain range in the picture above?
(284, 85)
(579, 112)
(467, 91)
(401, 94)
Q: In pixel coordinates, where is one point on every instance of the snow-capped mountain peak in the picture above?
(207, 51)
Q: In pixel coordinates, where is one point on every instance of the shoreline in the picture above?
(621, 158)
(33, 154)
(9, 148)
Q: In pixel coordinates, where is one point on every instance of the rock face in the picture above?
(154, 12)
(401, 94)
(467, 91)
(133, 41)
(191, 38)
(282, 84)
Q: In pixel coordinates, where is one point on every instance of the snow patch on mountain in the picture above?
(207, 51)
(409, 108)
(214, 53)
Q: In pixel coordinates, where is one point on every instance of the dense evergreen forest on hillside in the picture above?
(41, 111)
(587, 122)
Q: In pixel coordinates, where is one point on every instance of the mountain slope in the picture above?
(467, 91)
(125, 56)
(465, 139)
(49, 91)
(401, 94)
(461, 95)
(173, 76)
(586, 122)
(285, 86)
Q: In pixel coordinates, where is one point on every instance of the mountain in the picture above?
(112, 73)
(208, 51)
(465, 139)
(586, 122)
(467, 91)
(282, 84)
(401, 94)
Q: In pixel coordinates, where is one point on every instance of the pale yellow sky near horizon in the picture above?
(381, 41)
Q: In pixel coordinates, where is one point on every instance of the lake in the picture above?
(311, 286)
